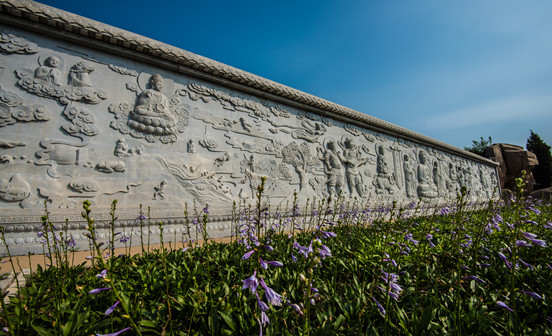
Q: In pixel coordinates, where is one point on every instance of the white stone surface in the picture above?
(82, 119)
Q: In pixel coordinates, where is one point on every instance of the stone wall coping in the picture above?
(51, 21)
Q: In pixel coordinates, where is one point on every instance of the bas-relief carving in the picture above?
(410, 176)
(62, 152)
(300, 158)
(426, 187)
(309, 130)
(83, 186)
(333, 168)
(13, 110)
(153, 117)
(11, 144)
(123, 71)
(270, 141)
(123, 150)
(200, 183)
(159, 190)
(385, 179)
(82, 122)
(111, 166)
(353, 160)
(11, 44)
(47, 81)
(14, 189)
(229, 102)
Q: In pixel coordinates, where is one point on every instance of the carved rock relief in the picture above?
(14, 189)
(426, 185)
(300, 158)
(153, 117)
(47, 81)
(353, 159)
(385, 178)
(333, 167)
(84, 186)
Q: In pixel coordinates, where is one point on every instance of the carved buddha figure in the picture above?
(426, 187)
(152, 114)
(49, 72)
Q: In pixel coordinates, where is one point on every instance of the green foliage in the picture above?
(198, 290)
(478, 147)
(543, 172)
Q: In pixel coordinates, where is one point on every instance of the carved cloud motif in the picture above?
(12, 110)
(12, 44)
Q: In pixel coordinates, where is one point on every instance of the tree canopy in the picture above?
(478, 147)
(543, 172)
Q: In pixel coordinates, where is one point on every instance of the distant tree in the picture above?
(478, 147)
(543, 172)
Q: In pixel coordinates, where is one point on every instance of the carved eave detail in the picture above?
(87, 28)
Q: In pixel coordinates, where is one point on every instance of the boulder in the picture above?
(512, 161)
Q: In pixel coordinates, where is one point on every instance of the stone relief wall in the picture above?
(80, 124)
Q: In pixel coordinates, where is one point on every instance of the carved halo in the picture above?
(43, 57)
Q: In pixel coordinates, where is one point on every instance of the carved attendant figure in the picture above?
(151, 114)
(79, 75)
(384, 179)
(352, 162)
(409, 177)
(49, 73)
(333, 166)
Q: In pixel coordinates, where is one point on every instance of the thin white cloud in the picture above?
(505, 110)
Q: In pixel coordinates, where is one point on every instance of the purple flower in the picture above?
(247, 255)
(275, 263)
(503, 257)
(538, 242)
(111, 309)
(503, 305)
(102, 274)
(325, 234)
(271, 296)
(206, 209)
(529, 235)
(525, 264)
(293, 257)
(263, 263)
(473, 277)
(522, 243)
(532, 294)
(296, 308)
(268, 247)
(97, 290)
(380, 307)
(252, 283)
(264, 319)
(115, 333)
(262, 305)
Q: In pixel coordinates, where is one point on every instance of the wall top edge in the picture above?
(33, 13)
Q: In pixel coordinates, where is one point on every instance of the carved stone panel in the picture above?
(79, 122)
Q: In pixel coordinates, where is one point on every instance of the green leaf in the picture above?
(229, 321)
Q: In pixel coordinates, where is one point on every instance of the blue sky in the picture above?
(452, 70)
